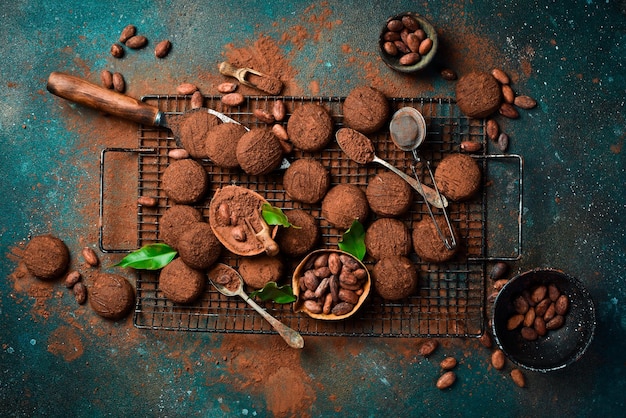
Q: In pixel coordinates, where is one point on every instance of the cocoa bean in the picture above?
(136, 42)
(90, 257)
(186, 88)
(525, 102)
(308, 295)
(313, 306)
(401, 46)
(322, 287)
(226, 88)
(413, 42)
(224, 213)
(280, 132)
(499, 270)
(555, 323)
(162, 48)
(529, 318)
(421, 34)
(118, 82)
(521, 305)
(410, 23)
(334, 263)
(279, 111)
(360, 274)
(428, 347)
(518, 378)
(342, 308)
(321, 260)
(117, 50)
(106, 78)
(128, 32)
(238, 234)
(390, 48)
(448, 363)
(498, 359)
(322, 272)
(80, 293)
(233, 99)
(334, 288)
(178, 154)
(492, 129)
(514, 321)
(395, 25)
(446, 380)
(542, 307)
(72, 278)
(553, 292)
(197, 100)
(540, 326)
(471, 146)
(508, 94)
(147, 201)
(485, 340)
(425, 46)
(263, 115)
(347, 278)
(349, 262)
(448, 74)
(500, 75)
(328, 304)
(391, 36)
(348, 296)
(529, 334)
(539, 293)
(508, 111)
(562, 305)
(499, 284)
(503, 141)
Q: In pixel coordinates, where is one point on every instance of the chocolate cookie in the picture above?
(46, 257)
(198, 246)
(458, 176)
(185, 181)
(343, 204)
(428, 244)
(259, 151)
(191, 128)
(111, 296)
(388, 195)
(175, 221)
(387, 237)
(306, 180)
(394, 278)
(310, 127)
(258, 271)
(180, 283)
(298, 241)
(365, 110)
(478, 94)
(221, 142)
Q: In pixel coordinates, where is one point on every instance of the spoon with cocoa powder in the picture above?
(230, 283)
(359, 148)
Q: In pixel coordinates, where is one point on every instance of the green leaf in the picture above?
(353, 240)
(149, 257)
(275, 216)
(278, 294)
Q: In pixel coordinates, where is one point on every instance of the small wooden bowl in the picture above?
(304, 265)
(393, 62)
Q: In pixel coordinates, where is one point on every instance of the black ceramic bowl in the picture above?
(558, 348)
(394, 61)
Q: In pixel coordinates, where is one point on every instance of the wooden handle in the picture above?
(96, 97)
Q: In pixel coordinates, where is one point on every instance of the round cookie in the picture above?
(306, 180)
(46, 257)
(258, 271)
(458, 176)
(428, 244)
(365, 110)
(190, 128)
(180, 283)
(395, 278)
(185, 181)
(310, 127)
(259, 151)
(198, 246)
(387, 237)
(111, 296)
(388, 195)
(220, 143)
(296, 242)
(175, 221)
(478, 94)
(343, 204)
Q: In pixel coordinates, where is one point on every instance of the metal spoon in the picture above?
(360, 149)
(230, 283)
(408, 131)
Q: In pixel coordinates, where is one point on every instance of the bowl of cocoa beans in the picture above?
(330, 285)
(543, 319)
(408, 42)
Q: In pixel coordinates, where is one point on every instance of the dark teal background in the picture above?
(569, 55)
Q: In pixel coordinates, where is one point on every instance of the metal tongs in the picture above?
(408, 131)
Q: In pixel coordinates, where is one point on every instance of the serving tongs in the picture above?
(408, 131)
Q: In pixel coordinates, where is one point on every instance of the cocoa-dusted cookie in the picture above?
(478, 94)
(185, 181)
(111, 296)
(458, 176)
(298, 241)
(259, 270)
(190, 128)
(310, 127)
(395, 277)
(365, 109)
(427, 243)
(306, 180)
(175, 221)
(388, 195)
(221, 142)
(46, 257)
(198, 246)
(259, 151)
(343, 204)
(180, 283)
(386, 237)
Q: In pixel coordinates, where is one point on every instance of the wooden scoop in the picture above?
(252, 78)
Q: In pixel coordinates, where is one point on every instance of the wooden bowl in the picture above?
(306, 264)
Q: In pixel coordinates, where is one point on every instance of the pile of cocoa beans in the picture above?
(538, 311)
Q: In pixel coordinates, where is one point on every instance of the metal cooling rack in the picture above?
(451, 297)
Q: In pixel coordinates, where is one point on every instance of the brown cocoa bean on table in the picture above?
(80, 293)
(279, 110)
(485, 340)
(106, 78)
(503, 141)
(428, 347)
(117, 50)
(492, 129)
(90, 256)
(498, 359)
(147, 201)
(128, 32)
(525, 102)
(508, 94)
(118, 82)
(280, 132)
(136, 42)
(448, 74)
(197, 100)
(72, 278)
(500, 75)
(233, 99)
(186, 88)
(226, 88)
(518, 378)
(448, 363)
(508, 111)
(162, 48)
(499, 270)
(342, 308)
(446, 380)
(263, 115)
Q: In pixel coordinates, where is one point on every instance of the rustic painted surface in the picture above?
(59, 359)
